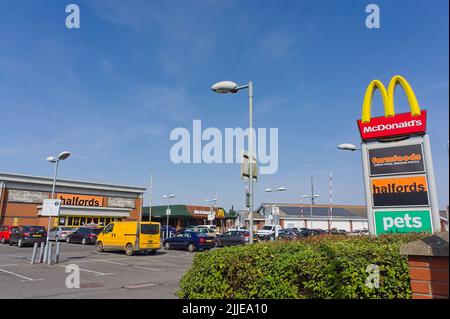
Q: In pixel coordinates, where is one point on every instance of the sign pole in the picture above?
(368, 191)
(431, 184)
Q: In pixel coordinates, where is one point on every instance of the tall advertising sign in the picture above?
(399, 179)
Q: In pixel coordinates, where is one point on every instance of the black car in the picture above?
(27, 235)
(84, 235)
(233, 238)
(287, 234)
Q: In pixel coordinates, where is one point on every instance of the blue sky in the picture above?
(112, 91)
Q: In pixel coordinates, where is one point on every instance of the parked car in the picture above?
(287, 234)
(205, 230)
(84, 235)
(319, 232)
(60, 233)
(359, 232)
(335, 231)
(303, 232)
(189, 240)
(122, 235)
(5, 232)
(212, 227)
(172, 231)
(233, 238)
(27, 235)
(266, 232)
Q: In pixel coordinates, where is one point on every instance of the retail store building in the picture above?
(82, 203)
(182, 216)
(346, 217)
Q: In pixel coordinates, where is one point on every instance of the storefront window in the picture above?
(95, 220)
(76, 221)
(107, 221)
(83, 221)
(62, 221)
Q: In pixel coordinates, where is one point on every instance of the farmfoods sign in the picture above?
(398, 169)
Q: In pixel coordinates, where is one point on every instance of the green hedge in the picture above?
(328, 267)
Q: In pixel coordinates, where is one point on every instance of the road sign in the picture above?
(402, 221)
(275, 210)
(51, 207)
(245, 166)
(168, 211)
(211, 215)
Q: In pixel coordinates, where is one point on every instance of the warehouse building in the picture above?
(346, 217)
(82, 203)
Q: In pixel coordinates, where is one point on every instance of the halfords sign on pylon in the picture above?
(391, 125)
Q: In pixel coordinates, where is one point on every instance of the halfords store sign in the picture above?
(398, 169)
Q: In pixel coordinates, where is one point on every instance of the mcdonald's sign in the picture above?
(391, 124)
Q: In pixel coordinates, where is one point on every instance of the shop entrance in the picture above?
(78, 221)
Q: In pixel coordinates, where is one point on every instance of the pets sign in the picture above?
(398, 169)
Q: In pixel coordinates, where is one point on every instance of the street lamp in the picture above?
(55, 160)
(232, 87)
(301, 204)
(348, 147)
(212, 201)
(168, 197)
(270, 190)
(313, 197)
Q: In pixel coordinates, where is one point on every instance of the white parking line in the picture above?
(110, 262)
(26, 278)
(147, 268)
(91, 271)
(8, 265)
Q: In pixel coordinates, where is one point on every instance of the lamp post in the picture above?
(211, 212)
(168, 197)
(55, 160)
(270, 190)
(301, 204)
(312, 197)
(232, 87)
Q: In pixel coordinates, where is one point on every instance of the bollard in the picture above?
(41, 253)
(33, 255)
(45, 253)
(57, 252)
(49, 257)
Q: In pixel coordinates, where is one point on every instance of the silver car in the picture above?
(60, 233)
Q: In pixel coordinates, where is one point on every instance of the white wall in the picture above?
(360, 225)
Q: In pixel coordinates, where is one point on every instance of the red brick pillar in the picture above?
(428, 266)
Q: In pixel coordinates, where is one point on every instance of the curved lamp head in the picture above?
(268, 190)
(51, 159)
(281, 189)
(225, 87)
(63, 155)
(347, 147)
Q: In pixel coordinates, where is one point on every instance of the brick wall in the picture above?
(429, 277)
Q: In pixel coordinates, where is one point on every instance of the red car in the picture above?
(5, 233)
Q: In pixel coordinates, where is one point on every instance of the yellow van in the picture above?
(122, 236)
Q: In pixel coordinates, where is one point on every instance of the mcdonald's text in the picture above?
(399, 125)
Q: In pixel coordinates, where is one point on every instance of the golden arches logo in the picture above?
(388, 98)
